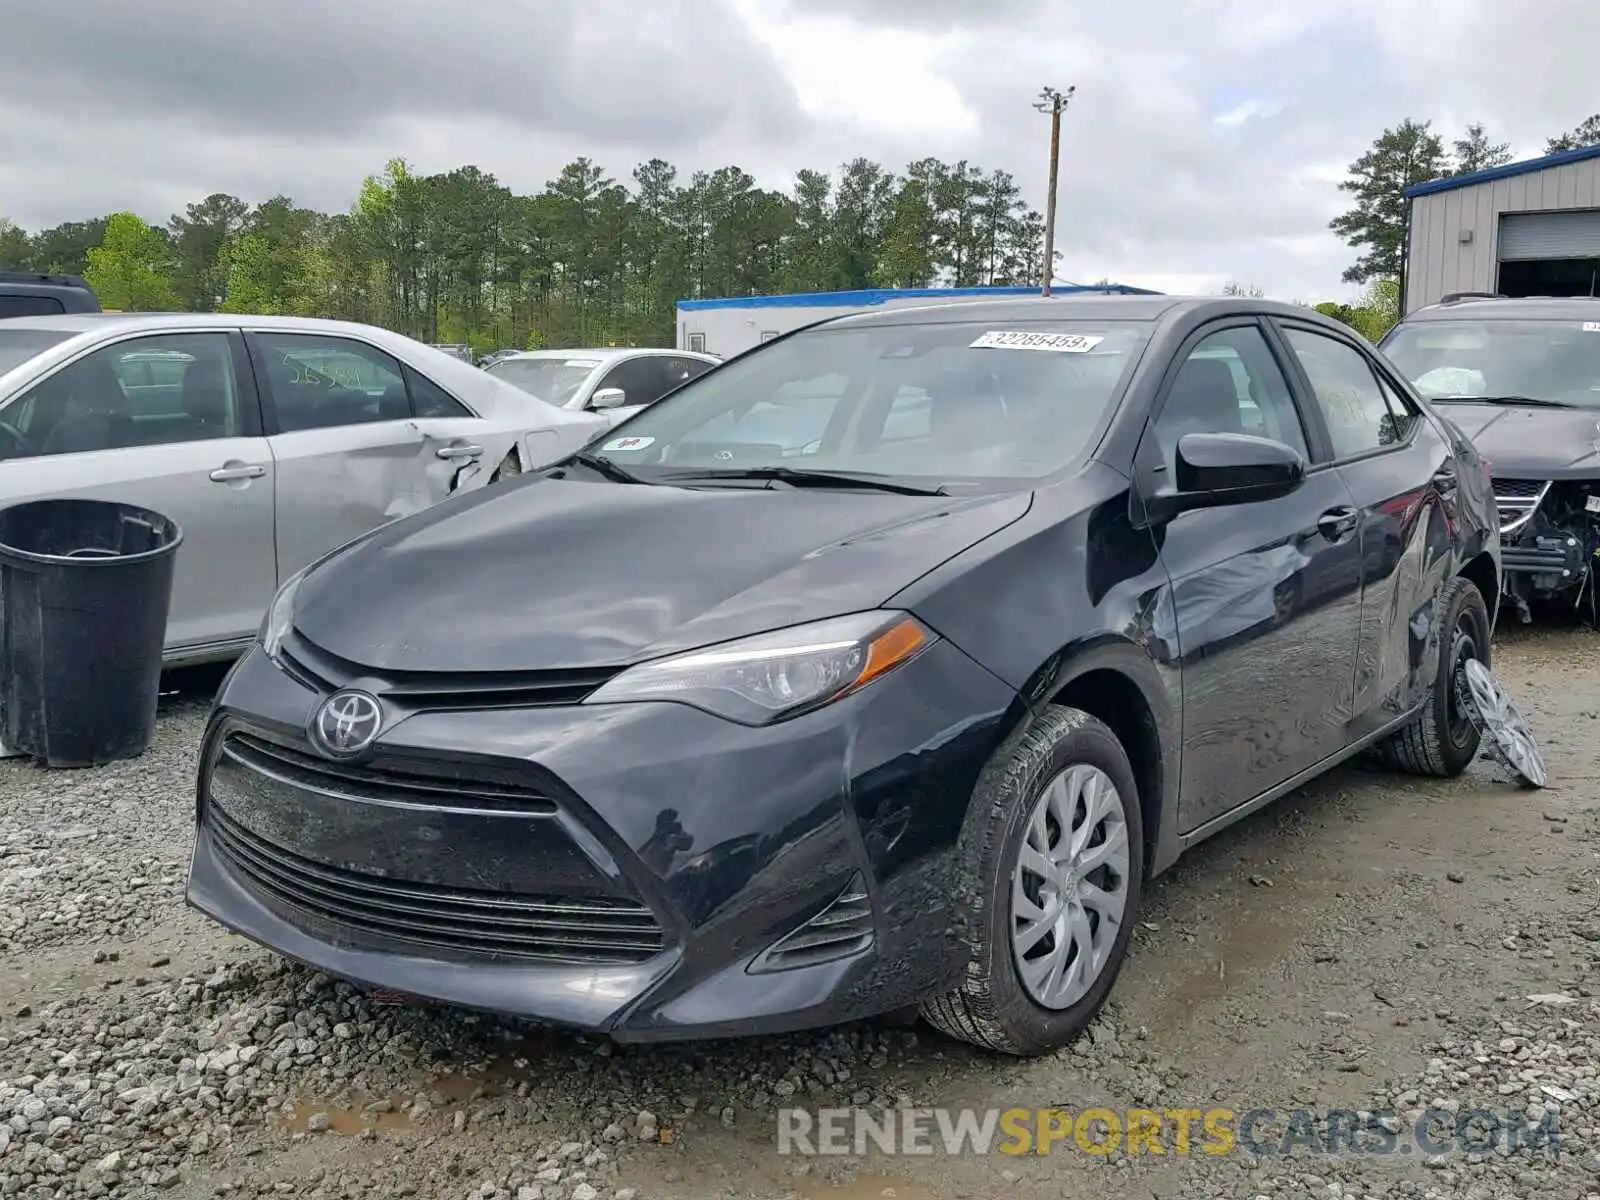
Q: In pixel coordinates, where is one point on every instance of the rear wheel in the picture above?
(1443, 740)
(1053, 879)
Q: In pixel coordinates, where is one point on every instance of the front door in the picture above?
(1265, 597)
(170, 423)
(1397, 466)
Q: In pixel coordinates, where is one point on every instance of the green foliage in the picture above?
(131, 268)
(1374, 314)
(1409, 154)
(459, 257)
(1585, 134)
(1475, 152)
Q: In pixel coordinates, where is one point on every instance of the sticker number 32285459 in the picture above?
(1061, 343)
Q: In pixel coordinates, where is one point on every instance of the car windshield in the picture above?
(938, 402)
(17, 346)
(1553, 361)
(553, 380)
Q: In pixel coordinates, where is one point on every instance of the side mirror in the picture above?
(608, 398)
(1219, 469)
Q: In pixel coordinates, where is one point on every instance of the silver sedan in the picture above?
(270, 440)
(617, 382)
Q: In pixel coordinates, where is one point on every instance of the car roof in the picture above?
(1064, 308)
(1502, 308)
(100, 322)
(605, 353)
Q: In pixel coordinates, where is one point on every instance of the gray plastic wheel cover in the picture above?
(1494, 713)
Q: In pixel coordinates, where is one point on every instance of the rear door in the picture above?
(1398, 468)
(170, 422)
(349, 455)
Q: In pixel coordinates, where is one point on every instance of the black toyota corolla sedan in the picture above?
(881, 666)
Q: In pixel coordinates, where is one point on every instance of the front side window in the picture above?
(1229, 383)
(946, 402)
(322, 382)
(1556, 361)
(142, 392)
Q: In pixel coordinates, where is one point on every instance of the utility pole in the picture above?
(1052, 101)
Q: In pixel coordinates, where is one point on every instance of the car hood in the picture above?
(551, 573)
(1532, 442)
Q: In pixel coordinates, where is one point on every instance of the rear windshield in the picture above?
(944, 403)
(553, 380)
(17, 346)
(1464, 360)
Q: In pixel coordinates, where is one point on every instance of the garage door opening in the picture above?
(1550, 254)
(1551, 277)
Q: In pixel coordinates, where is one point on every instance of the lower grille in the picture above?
(1517, 500)
(359, 909)
(838, 931)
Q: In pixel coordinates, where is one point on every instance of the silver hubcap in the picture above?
(1070, 887)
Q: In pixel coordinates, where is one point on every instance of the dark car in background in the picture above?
(713, 730)
(30, 294)
(1522, 379)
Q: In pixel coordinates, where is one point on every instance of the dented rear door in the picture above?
(349, 454)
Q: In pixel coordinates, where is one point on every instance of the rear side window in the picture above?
(428, 399)
(1358, 412)
(30, 306)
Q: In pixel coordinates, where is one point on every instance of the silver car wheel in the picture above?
(1069, 889)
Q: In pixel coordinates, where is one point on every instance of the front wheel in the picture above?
(1443, 738)
(1054, 872)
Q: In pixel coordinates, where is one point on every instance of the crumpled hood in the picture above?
(1532, 442)
(549, 574)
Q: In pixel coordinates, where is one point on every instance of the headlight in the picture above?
(761, 679)
(280, 616)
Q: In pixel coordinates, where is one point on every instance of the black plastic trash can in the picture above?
(85, 590)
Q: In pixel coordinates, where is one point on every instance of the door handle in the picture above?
(1337, 523)
(229, 474)
(450, 452)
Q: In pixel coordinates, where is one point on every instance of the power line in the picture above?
(1053, 102)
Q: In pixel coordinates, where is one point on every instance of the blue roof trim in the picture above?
(1509, 171)
(869, 297)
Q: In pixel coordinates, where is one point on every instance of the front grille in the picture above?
(838, 931)
(439, 690)
(360, 909)
(434, 787)
(1517, 500)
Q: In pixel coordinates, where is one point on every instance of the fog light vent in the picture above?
(838, 931)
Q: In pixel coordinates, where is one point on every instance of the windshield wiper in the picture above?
(1508, 401)
(612, 471)
(802, 477)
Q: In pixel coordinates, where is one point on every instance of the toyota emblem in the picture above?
(723, 455)
(347, 723)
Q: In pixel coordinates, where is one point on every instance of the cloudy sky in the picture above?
(1204, 143)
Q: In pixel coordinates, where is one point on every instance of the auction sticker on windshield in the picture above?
(1061, 343)
(628, 443)
(1591, 326)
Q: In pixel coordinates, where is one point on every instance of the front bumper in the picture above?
(619, 868)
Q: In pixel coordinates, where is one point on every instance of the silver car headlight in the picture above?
(280, 617)
(771, 676)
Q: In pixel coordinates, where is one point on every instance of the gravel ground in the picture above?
(1370, 943)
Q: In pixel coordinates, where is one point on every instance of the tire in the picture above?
(1442, 741)
(510, 467)
(995, 1008)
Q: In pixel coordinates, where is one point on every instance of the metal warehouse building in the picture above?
(1525, 229)
(735, 324)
